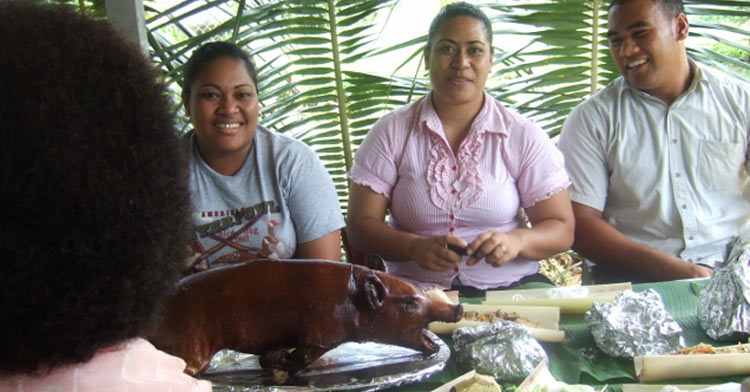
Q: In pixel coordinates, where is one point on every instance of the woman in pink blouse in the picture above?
(453, 169)
(96, 213)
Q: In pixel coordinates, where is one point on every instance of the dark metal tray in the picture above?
(350, 367)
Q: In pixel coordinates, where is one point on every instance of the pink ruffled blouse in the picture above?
(136, 366)
(504, 163)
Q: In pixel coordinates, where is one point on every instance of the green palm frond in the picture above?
(550, 55)
(307, 53)
(558, 61)
(723, 30)
(563, 56)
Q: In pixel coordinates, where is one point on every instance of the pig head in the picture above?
(268, 307)
(396, 312)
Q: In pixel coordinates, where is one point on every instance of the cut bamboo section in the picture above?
(651, 368)
(574, 299)
(545, 317)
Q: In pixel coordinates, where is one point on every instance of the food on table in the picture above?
(470, 381)
(724, 304)
(704, 348)
(636, 323)
(499, 315)
(574, 299)
(726, 387)
(559, 386)
(702, 360)
(477, 383)
(502, 349)
(540, 320)
(437, 294)
(291, 312)
(541, 380)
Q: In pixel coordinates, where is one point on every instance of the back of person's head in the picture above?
(210, 52)
(454, 10)
(95, 217)
(672, 8)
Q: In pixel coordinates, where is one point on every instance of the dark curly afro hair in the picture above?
(96, 219)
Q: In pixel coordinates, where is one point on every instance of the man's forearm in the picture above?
(600, 242)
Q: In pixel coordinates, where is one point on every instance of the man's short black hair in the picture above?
(96, 212)
(671, 7)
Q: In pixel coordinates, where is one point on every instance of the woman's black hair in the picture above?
(210, 52)
(455, 10)
(96, 212)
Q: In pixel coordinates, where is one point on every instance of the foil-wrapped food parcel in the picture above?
(634, 324)
(724, 304)
(503, 349)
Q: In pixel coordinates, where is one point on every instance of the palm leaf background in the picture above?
(306, 52)
(563, 56)
(550, 55)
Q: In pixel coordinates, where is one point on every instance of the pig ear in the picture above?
(376, 262)
(374, 291)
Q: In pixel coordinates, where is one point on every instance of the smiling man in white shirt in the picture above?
(658, 158)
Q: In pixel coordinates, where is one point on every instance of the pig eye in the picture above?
(411, 306)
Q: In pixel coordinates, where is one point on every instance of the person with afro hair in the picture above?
(96, 211)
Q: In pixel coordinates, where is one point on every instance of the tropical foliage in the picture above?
(309, 51)
(549, 56)
(93, 8)
(564, 55)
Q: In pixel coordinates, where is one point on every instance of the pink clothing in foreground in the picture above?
(504, 163)
(136, 366)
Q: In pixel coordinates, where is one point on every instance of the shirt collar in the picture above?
(489, 113)
(697, 79)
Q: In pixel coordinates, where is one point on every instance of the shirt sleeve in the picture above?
(375, 163)
(312, 200)
(582, 145)
(541, 167)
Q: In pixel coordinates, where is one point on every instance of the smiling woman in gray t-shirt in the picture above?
(255, 193)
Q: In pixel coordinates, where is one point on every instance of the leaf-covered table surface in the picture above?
(579, 361)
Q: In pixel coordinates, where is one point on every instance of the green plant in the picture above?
(550, 55)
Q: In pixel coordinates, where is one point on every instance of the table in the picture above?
(579, 361)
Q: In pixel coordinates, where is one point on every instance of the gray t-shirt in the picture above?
(280, 197)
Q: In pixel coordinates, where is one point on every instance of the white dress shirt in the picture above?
(672, 177)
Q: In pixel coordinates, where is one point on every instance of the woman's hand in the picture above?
(551, 232)
(497, 248)
(432, 253)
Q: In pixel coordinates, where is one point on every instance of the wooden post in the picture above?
(127, 16)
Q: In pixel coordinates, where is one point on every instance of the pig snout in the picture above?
(439, 311)
(458, 312)
(441, 307)
(445, 312)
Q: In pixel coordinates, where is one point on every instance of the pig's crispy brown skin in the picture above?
(266, 307)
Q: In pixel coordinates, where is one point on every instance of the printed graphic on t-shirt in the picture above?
(228, 237)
